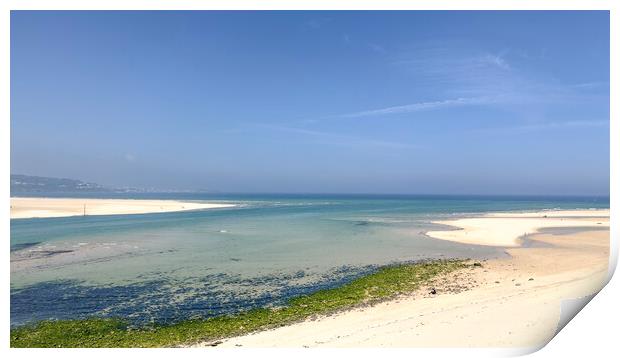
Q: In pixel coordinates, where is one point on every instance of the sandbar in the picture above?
(23, 208)
(507, 229)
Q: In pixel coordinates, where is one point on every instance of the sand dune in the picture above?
(22, 208)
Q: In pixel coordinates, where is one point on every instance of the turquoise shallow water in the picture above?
(173, 266)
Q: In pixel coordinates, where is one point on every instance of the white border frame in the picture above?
(578, 337)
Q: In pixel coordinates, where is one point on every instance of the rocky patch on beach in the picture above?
(451, 283)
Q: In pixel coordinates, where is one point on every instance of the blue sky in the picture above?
(347, 102)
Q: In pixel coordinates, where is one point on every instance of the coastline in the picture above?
(508, 302)
(383, 284)
(26, 208)
(512, 302)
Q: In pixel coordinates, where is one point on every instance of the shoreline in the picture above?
(513, 302)
(29, 207)
(383, 284)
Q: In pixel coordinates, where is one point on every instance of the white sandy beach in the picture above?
(505, 229)
(513, 302)
(22, 208)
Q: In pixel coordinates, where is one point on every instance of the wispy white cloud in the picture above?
(494, 60)
(340, 139)
(420, 106)
(567, 124)
(453, 70)
(377, 48)
(457, 70)
(316, 23)
(534, 127)
(590, 85)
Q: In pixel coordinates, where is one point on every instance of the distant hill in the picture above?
(34, 184)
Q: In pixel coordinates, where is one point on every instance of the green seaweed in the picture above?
(387, 282)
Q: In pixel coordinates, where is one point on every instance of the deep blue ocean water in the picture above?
(172, 266)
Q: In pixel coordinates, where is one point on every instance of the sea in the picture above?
(167, 267)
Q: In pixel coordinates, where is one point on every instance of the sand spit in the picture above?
(22, 208)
